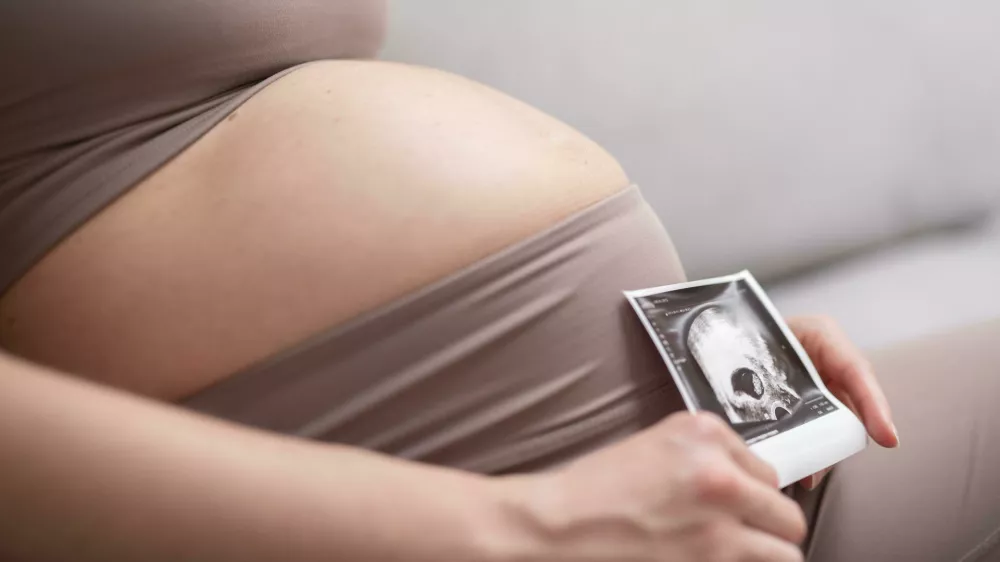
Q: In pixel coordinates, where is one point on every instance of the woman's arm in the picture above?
(88, 473)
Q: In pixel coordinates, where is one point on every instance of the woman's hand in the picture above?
(848, 375)
(687, 489)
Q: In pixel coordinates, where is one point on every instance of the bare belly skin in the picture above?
(338, 188)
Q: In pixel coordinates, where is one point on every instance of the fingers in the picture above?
(843, 396)
(729, 541)
(740, 482)
(884, 432)
(864, 392)
(750, 501)
(842, 365)
(771, 511)
(713, 427)
(761, 547)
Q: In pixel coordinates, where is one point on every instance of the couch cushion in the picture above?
(927, 285)
(770, 135)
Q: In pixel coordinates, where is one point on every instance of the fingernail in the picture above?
(896, 434)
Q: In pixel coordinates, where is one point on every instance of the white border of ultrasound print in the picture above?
(797, 452)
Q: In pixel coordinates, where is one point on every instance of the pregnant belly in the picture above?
(336, 189)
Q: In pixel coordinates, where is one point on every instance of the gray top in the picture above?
(97, 94)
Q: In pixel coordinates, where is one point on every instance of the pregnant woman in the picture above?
(261, 302)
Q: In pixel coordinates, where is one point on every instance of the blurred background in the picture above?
(846, 152)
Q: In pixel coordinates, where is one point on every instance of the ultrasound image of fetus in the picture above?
(740, 368)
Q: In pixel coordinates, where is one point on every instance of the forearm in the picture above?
(88, 473)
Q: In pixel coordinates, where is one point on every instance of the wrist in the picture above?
(523, 514)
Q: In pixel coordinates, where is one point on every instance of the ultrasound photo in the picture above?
(730, 355)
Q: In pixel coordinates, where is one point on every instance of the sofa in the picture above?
(846, 152)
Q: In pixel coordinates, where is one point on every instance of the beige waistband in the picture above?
(523, 359)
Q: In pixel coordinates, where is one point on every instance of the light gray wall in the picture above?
(767, 134)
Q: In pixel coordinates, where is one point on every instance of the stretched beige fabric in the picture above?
(523, 360)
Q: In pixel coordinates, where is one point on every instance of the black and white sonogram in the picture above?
(730, 355)
(741, 369)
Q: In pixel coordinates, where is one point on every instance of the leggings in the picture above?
(531, 357)
(936, 497)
